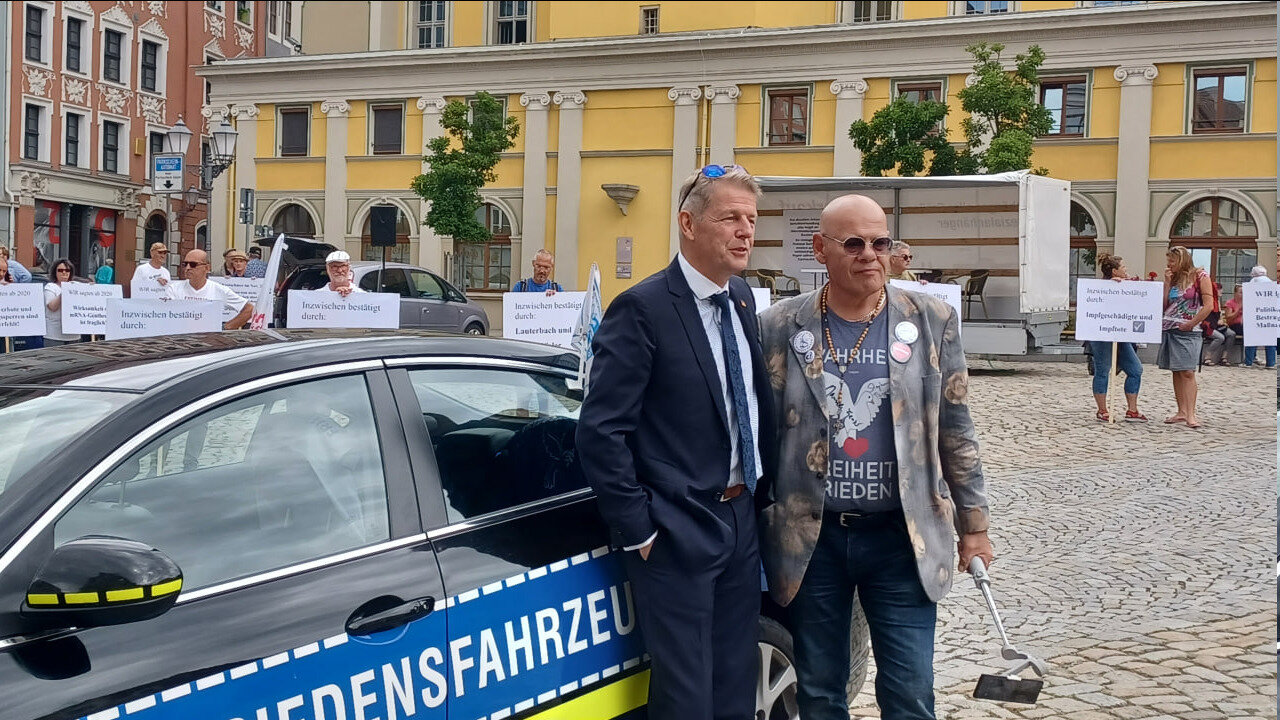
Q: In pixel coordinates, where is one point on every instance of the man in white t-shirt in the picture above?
(150, 279)
(198, 286)
(338, 266)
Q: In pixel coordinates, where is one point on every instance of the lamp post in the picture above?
(222, 142)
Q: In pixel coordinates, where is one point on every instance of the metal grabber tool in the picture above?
(1007, 687)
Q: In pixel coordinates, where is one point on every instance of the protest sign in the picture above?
(133, 318)
(146, 289)
(1261, 317)
(541, 318)
(946, 292)
(247, 288)
(21, 310)
(763, 298)
(797, 242)
(84, 307)
(328, 309)
(1110, 311)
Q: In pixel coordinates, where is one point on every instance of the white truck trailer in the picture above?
(1013, 227)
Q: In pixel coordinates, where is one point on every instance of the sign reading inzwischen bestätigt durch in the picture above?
(541, 318)
(130, 318)
(328, 309)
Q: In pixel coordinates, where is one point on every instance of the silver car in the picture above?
(427, 301)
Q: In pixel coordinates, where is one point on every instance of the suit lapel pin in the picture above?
(743, 303)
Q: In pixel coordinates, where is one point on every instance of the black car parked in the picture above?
(305, 524)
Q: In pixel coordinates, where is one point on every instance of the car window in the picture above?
(267, 481)
(425, 285)
(452, 293)
(393, 281)
(37, 425)
(502, 438)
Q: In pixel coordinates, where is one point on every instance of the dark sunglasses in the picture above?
(855, 245)
(189, 264)
(63, 269)
(905, 256)
(711, 172)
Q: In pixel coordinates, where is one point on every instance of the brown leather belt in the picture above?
(730, 493)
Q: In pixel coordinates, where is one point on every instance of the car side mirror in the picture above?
(101, 580)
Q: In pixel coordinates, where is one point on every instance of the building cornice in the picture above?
(1164, 32)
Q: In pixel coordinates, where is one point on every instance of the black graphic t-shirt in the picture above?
(862, 471)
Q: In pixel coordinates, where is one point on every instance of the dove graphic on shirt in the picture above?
(855, 413)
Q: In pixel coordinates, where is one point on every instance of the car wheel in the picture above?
(776, 682)
(474, 329)
(859, 652)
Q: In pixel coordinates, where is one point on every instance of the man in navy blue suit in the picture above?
(674, 437)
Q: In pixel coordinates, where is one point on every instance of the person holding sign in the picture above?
(1258, 275)
(1185, 289)
(338, 265)
(198, 286)
(237, 261)
(543, 263)
(62, 272)
(1126, 357)
(151, 274)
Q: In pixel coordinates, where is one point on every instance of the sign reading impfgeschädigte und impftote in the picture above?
(130, 318)
(328, 309)
(1124, 311)
(21, 310)
(542, 318)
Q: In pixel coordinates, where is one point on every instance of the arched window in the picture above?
(294, 221)
(202, 237)
(399, 253)
(1084, 246)
(487, 266)
(1222, 237)
(154, 230)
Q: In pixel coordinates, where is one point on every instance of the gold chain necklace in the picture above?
(831, 346)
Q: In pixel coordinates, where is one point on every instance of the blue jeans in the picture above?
(1251, 354)
(1126, 360)
(874, 558)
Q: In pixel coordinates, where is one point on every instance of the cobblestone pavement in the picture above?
(1137, 559)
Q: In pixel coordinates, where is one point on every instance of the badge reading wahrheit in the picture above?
(802, 341)
(900, 352)
(906, 332)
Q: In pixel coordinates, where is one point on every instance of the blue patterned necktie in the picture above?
(738, 390)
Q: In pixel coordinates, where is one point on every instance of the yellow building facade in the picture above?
(1165, 118)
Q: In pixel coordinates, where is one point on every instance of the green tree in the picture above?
(1002, 110)
(898, 136)
(461, 162)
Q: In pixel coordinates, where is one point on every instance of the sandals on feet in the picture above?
(1103, 416)
(1134, 416)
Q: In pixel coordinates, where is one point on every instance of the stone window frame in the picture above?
(849, 12)
(126, 54)
(1058, 77)
(123, 154)
(766, 113)
(280, 112)
(44, 131)
(415, 24)
(46, 33)
(87, 55)
(1190, 96)
(85, 149)
(371, 124)
(645, 17)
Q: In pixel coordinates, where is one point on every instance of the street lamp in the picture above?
(223, 147)
(177, 139)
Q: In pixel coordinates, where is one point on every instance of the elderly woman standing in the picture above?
(1126, 357)
(62, 272)
(1185, 289)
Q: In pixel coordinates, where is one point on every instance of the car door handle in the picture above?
(375, 616)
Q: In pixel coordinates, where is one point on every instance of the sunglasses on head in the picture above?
(711, 172)
(190, 264)
(855, 245)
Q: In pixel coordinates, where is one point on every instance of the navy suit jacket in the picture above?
(653, 433)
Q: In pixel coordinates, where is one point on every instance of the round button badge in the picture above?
(900, 352)
(906, 332)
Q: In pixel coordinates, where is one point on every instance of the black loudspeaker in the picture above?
(382, 225)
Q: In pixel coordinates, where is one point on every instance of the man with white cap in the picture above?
(338, 265)
(150, 278)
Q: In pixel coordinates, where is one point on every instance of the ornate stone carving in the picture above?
(1136, 73)
(118, 15)
(334, 106)
(127, 197)
(156, 7)
(722, 94)
(32, 183)
(849, 87)
(535, 100)
(37, 80)
(244, 37)
(76, 91)
(153, 27)
(249, 111)
(79, 6)
(684, 95)
(571, 98)
(115, 99)
(214, 113)
(215, 25)
(152, 108)
(431, 104)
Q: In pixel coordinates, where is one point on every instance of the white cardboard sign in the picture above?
(21, 310)
(1261, 318)
(133, 318)
(247, 288)
(146, 290)
(541, 318)
(1125, 311)
(328, 309)
(948, 293)
(763, 298)
(84, 307)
